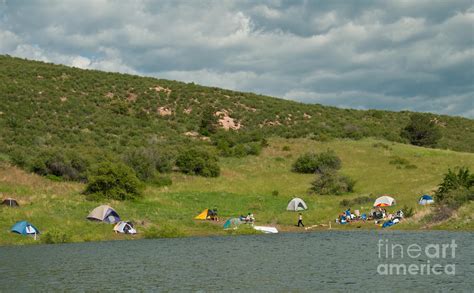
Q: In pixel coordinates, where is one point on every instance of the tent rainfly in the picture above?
(426, 199)
(10, 202)
(125, 228)
(24, 228)
(296, 204)
(384, 201)
(104, 213)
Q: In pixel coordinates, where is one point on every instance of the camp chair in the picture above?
(363, 217)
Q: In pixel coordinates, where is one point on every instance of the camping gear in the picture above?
(388, 223)
(125, 227)
(384, 201)
(203, 216)
(232, 223)
(24, 228)
(10, 202)
(296, 204)
(207, 214)
(104, 213)
(426, 199)
(266, 230)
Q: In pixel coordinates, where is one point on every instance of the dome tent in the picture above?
(426, 199)
(384, 201)
(11, 202)
(296, 204)
(24, 228)
(125, 228)
(104, 213)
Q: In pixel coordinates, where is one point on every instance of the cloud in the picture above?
(415, 55)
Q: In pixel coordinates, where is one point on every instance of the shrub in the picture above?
(317, 163)
(456, 188)
(198, 162)
(285, 148)
(421, 131)
(381, 145)
(402, 163)
(275, 193)
(113, 181)
(329, 182)
(146, 161)
(407, 211)
(55, 236)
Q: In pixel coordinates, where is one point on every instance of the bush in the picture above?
(407, 212)
(55, 236)
(198, 162)
(285, 148)
(330, 182)
(317, 163)
(113, 181)
(146, 162)
(456, 188)
(402, 163)
(421, 131)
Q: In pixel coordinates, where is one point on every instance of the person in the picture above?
(216, 218)
(300, 220)
(348, 214)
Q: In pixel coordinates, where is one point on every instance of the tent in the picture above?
(104, 213)
(232, 223)
(10, 202)
(426, 199)
(125, 227)
(384, 201)
(296, 204)
(24, 228)
(206, 214)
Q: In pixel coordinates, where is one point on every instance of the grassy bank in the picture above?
(262, 185)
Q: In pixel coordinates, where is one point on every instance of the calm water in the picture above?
(325, 261)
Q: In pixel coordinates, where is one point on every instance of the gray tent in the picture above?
(104, 213)
(296, 204)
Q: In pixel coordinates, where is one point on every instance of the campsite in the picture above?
(246, 185)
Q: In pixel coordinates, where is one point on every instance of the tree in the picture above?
(209, 122)
(114, 181)
(198, 162)
(421, 131)
(317, 163)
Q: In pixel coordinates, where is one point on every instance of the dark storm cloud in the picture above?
(397, 55)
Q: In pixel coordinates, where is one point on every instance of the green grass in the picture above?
(246, 185)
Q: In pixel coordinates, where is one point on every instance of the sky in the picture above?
(395, 55)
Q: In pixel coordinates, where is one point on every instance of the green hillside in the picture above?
(245, 185)
(49, 107)
(59, 122)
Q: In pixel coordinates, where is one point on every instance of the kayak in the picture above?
(267, 230)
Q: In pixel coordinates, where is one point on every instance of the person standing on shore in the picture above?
(300, 220)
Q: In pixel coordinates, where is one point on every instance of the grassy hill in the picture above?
(87, 116)
(49, 107)
(246, 184)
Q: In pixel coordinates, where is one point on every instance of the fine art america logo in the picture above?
(415, 259)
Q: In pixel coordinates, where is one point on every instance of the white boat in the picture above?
(266, 230)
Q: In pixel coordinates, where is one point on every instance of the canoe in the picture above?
(267, 230)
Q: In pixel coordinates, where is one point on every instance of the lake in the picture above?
(306, 262)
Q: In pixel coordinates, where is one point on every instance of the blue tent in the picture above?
(426, 199)
(24, 228)
(232, 223)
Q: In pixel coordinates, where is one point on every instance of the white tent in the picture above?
(384, 201)
(124, 227)
(296, 204)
